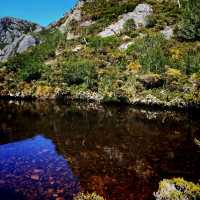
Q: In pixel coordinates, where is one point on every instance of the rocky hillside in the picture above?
(13, 36)
(121, 51)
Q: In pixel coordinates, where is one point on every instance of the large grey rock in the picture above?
(9, 50)
(19, 45)
(14, 37)
(12, 28)
(139, 15)
(27, 42)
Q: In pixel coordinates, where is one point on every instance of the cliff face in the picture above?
(13, 36)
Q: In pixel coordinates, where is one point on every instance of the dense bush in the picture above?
(189, 28)
(151, 53)
(31, 72)
(78, 72)
(98, 42)
(188, 62)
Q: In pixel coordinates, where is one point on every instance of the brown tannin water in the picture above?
(54, 151)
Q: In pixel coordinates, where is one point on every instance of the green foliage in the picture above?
(129, 25)
(78, 72)
(31, 71)
(189, 28)
(151, 53)
(189, 63)
(150, 21)
(111, 9)
(98, 42)
(164, 13)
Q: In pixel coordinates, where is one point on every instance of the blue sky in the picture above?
(39, 11)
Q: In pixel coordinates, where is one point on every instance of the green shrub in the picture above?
(79, 71)
(189, 63)
(151, 53)
(98, 42)
(189, 28)
(150, 21)
(30, 72)
(129, 25)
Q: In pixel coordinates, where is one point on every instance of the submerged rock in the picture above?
(177, 189)
(93, 196)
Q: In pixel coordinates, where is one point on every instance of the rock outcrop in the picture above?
(15, 36)
(19, 45)
(139, 15)
(75, 15)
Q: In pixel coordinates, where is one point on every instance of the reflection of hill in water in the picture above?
(119, 152)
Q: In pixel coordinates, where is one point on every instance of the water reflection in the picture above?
(33, 169)
(121, 153)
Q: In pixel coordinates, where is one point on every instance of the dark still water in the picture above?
(54, 151)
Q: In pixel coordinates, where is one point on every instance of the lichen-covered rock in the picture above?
(139, 15)
(177, 189)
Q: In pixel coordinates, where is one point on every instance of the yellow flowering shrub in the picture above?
(134, 67)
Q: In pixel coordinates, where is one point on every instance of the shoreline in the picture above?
(145, 103)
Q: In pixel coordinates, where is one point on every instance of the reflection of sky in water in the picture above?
(34, 168)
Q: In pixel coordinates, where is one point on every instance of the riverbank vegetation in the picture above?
(151, 68)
